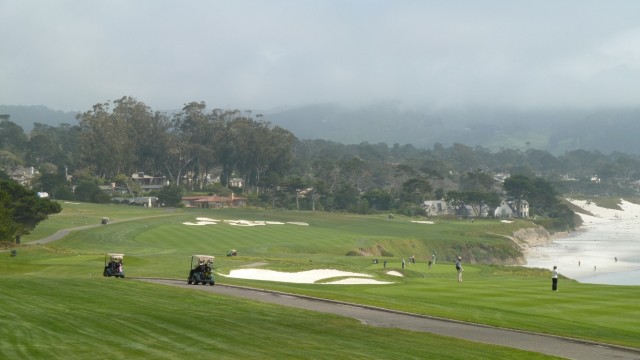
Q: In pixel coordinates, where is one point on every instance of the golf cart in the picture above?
(114, 266)
(104, 221)
(201, 270)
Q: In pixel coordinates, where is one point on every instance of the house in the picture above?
(204, 201)
(22, 175)
(233, 182)
(236, 182)
(436, 208)
(509, 209)
(149, 183)
(469, 211)
(146, 201)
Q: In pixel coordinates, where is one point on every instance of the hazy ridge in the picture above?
(556, 131)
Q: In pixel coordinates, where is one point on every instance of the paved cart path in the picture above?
(545, 344)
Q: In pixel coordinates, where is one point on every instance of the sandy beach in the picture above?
(605, 250)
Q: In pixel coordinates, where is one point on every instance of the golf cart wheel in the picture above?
(195, 282)
(189, 281)
(211, 283)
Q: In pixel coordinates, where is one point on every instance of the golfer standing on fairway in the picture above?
(459, 268)
(554, 279)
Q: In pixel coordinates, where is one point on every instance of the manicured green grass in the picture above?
(61, 317)
(81, 214)
(161, 246)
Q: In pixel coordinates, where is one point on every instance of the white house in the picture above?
(436, 207)
(509, 209)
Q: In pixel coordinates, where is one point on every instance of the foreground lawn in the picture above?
(108, 318)
(157, 245)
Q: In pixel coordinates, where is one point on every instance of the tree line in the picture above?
(201, 150)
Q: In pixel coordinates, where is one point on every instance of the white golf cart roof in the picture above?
(204, 258)
(115, 257)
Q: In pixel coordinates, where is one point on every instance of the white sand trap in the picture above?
(206, 221)
(302, 277)
(506, 221)
(199, 223)
(394, 273)
(422, 222)
(245, 223)
(357, 281)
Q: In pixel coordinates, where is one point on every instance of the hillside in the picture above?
(556, 130)
(26, 116)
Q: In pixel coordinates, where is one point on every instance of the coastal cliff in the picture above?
(527, 238)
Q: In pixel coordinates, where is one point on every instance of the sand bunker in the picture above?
(506, 221)
(245, 223)
(206, 221)
(305, 277)
(422, 222)
(394, 273)
(357, 281)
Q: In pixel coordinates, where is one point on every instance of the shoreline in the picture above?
(604, 250)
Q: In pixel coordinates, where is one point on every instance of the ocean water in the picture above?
(589, 255)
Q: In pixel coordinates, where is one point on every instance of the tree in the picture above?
(8, 160)
(147, 134)
(51, 183)
(21, 210)
(479, 199)
(12, 136)
(105, 142)
(378, 199)
(347, 197)
(295, 186)
(170, 195)
(52, 144)
(415, 190)
(196, 141)
(476, 181)
(518, 187)
(89, 192)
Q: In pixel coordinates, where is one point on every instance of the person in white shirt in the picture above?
(459, 268)
(554, 279)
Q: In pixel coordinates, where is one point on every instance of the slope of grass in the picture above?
(510, 297)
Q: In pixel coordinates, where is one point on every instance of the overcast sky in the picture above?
(260, 55)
